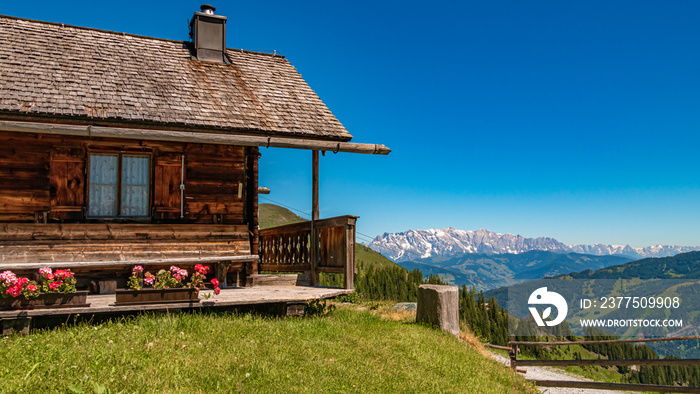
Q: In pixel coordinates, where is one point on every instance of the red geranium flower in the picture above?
(215, 283)
(202, 269)
(63, 274)
(14, 290)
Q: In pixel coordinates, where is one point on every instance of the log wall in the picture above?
(45, 175)
(44, 196)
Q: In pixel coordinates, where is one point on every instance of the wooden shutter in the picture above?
(67, 183)
(166, 186)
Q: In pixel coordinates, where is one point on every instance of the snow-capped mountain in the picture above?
(418, 244)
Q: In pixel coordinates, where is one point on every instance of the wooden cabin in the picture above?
(118, 149)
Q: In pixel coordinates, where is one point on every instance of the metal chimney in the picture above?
(207, 9)
(208, 33)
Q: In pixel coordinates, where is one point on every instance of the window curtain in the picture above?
(103, 185)
(134, 186)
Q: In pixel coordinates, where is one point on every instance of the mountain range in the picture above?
(413, 245)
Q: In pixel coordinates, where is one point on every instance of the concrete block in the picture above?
(18, 325)
(405, 306)
(439, 306)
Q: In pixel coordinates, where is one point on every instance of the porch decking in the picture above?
(246, 296)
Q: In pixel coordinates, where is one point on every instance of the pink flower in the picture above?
(45, 271)
(55, 285)
(8, 277)
(148, 280)
(217, 290)
(50, 276)
(21, 282)
(136, 270)
(174, 268)
(31, 288)
(183, 273)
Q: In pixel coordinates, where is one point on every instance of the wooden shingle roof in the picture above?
(88, 75)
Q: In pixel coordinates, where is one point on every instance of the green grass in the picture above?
(365, 257)
(347, 351)
(271, 215)
(597, 373)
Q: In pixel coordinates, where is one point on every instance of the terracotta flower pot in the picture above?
(156, 296)
(47, 300)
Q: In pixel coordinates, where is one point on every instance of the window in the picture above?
(118, 185)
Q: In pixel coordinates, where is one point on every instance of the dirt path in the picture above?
(539, 373)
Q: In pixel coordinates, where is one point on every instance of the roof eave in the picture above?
(138, 124)
(95, 131)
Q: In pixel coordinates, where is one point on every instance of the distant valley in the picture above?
(413, 245)
(489, 271)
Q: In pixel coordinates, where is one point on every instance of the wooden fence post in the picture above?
(349, 237)
(513, 353)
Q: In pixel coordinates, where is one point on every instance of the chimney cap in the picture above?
(208, 9)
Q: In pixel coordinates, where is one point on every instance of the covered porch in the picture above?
(276, 300)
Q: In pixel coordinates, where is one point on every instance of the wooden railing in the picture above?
(515, 363)
(288, 248)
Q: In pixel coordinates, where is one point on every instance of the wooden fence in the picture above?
(290, 248)
(515, 363)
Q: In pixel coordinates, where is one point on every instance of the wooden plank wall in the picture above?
(212, 180)
(24, 177)
(40, 173)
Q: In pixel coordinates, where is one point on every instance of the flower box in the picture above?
(46, 300)
(157, 296)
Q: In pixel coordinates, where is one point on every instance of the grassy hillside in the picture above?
(345, 351)
(365, 257)
(680, 266)
(271, 215)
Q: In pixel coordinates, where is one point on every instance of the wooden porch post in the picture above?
(349, 236)
(313, 252)
(314, 197)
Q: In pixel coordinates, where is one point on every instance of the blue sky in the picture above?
(574, 120)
